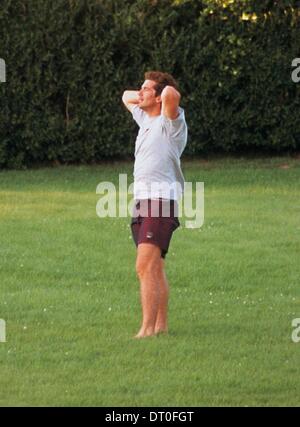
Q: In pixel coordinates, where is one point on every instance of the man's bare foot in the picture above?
(161, 328)
(143, 333)
(161, 331)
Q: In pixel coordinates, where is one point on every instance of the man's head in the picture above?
(149, 94)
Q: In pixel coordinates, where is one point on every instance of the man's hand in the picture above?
(170, 98)
(130, 98)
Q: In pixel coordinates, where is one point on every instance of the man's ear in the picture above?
(158, 99)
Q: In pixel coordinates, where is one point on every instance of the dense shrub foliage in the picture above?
(68, 62)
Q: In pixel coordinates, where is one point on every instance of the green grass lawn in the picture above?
(70, 296)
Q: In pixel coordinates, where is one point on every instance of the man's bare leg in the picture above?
(148, 265)
(161, 324)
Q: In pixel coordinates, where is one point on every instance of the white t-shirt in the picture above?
(158, 147)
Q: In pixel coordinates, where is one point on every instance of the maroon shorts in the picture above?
(153, 221)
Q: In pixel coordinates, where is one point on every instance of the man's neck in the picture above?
(153, 112)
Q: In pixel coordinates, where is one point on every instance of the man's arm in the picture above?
(170, 102)
(130, 98)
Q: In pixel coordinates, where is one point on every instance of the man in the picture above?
(158, 184)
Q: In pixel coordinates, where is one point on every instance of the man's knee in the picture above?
(141, 267)
(148, 259)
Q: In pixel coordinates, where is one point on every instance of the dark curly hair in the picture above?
(162, 80)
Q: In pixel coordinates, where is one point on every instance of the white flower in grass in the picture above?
(24, 327)
(109, 309)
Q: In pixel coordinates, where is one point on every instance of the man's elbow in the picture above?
(170, 93)
(124, 96)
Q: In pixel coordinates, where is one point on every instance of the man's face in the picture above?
(147, 96)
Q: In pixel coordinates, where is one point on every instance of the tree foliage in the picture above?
(68, 62)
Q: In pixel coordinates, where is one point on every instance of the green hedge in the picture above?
(68, 62)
